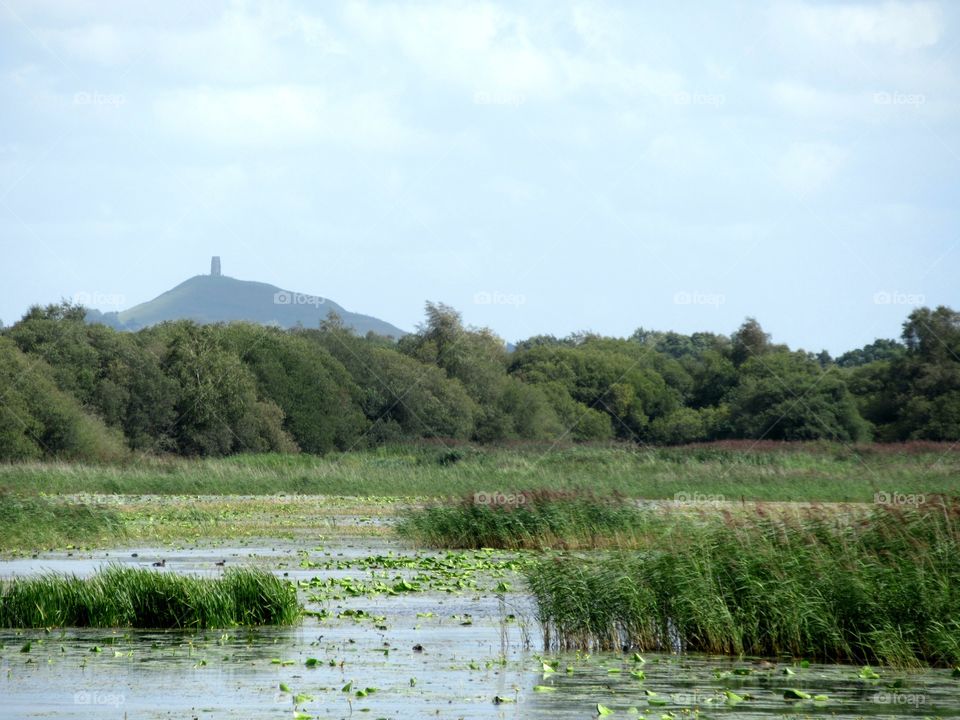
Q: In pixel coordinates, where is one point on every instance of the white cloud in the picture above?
(282, 116)
(898, 25)
(807, 168)
(490, 48)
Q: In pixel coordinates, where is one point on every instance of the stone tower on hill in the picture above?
(215, 266)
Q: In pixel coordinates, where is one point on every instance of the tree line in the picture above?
(77, 390)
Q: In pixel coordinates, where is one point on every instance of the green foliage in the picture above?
(914, 394)
(218, 410)
(401, 397)
(318, 398)
(33, 521)
(734, 469)
(132, 597)
(788, 396)
(38, 419)
(530, 520)
(885, 588)
(193, 389)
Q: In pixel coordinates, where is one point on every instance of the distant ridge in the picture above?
(218, 298)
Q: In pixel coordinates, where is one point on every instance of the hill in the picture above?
(218, 298)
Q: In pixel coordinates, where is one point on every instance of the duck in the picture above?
(220, 563)
(160, 563)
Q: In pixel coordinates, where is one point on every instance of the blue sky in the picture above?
(544, 167)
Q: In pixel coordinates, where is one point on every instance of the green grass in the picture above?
(884, 587)
(532, 521)
(735, 470)
(132, 597)
(33, 521)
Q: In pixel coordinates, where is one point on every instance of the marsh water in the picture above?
(467, 646)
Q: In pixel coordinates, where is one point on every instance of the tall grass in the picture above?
(133, 597)
(34, 521)
(764, 471)
(532, 520)
(884, 588)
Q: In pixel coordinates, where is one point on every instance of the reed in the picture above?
(134, 597)
(34, 521)
(531, 520)
(880, 588)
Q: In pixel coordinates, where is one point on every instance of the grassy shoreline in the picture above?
(729, 470)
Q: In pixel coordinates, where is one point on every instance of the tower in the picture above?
(215, 266)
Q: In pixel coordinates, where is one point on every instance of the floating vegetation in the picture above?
(884, 588)
(452, 572)
(133, 597)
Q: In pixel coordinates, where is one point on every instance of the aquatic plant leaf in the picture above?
(732, 697)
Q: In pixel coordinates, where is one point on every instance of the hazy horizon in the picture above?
(542, 168)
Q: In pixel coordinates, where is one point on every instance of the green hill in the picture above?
(218, 298)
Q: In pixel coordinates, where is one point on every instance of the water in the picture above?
(472, 652)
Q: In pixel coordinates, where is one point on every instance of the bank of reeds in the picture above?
(528, 520)
(134, 597)
(34, 521)
(884, 587)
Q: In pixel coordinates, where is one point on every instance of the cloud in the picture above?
(903, 26)
(490, 48)
(278, 116)
(807, 168)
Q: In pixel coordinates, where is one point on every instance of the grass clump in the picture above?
(532, 520)
(134, 597)
(35, 521)
(880, 588)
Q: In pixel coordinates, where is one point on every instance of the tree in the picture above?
(788, 396)
(749, 341)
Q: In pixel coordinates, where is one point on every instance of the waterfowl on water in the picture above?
(160, 563)
(220, 563)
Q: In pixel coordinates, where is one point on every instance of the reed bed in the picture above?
(134, 597)
(884, 588)
(531, 520)
(774, 471)
(31, 520)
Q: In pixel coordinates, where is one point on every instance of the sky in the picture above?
(543, 167)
